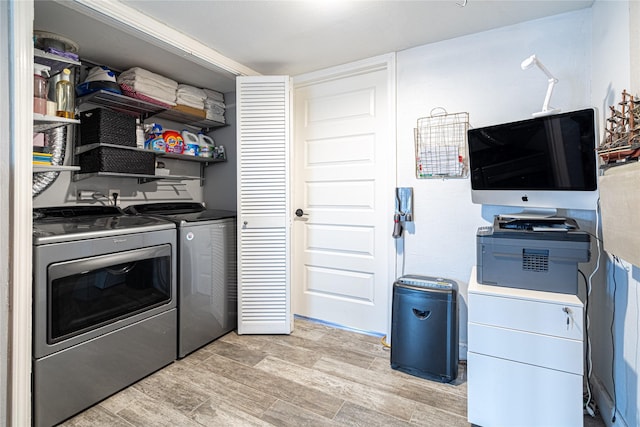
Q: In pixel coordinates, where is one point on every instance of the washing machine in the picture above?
(104, 305)
(207, 277)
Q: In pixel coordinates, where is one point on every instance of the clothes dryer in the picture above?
(207, 277)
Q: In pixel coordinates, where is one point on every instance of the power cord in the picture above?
(404, 253)
(384, 342)
(589, 405)
(616, 260)
(98, 196)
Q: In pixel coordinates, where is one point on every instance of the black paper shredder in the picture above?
(424, 327)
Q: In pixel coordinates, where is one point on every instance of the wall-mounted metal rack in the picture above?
(117, 102)
(144, 109)
(43, 123)
(142, 178)
(56, 62)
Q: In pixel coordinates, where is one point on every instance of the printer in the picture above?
(537, 253)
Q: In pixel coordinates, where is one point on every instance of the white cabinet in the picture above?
(525, 357)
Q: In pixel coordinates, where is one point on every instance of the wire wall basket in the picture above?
(441, 145)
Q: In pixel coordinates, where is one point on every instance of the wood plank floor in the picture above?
(317, 376)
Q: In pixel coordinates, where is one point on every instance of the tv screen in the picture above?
(546, 162)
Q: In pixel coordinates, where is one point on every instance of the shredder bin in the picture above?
(424, 328)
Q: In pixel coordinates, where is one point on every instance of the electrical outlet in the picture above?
(114, 196)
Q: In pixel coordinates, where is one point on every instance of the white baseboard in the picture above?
(605, 404)
(462, 351)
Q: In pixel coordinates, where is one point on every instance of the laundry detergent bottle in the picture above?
(207, 145)
(154, 139)
(173, 142)
(191, 145)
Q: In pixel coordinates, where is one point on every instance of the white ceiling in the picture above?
(287, 37)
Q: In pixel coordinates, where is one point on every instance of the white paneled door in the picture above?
(263, 205)
(344, 177)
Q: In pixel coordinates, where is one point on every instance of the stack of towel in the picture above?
(190, 96)
(143, 84)
(151, 85)
(214, 105)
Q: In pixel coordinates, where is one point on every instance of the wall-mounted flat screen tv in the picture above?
(543, 162)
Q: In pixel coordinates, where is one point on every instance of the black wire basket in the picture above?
(105, 126)
(111, 159)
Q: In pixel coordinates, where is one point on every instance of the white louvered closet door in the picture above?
(264, 290)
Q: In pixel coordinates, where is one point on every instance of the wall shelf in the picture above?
(144, 180)
(53, 168)
(137, 107)
(84, 148)
(188, 158)
(188, 119)
(184, 157)
(141, 177)
(43, 123)
(122, 103)
(56, 62)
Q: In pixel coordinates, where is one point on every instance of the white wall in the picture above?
(634, 46)
(616, 67)
(479, 74)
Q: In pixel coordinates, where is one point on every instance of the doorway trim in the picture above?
(20, 19)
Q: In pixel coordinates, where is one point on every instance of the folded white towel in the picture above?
(140, 74)
(214, 104)
(190, 101)
(197, 105)
(214, 109)
(214, 95)
(159, 92)
(216, 117)
(189, 97)
(191, 91)
(150, 87)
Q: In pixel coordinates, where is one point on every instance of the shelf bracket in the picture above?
(202, 167)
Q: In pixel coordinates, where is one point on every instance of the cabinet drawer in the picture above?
(535, 316)
(534, 349)
(506, 393)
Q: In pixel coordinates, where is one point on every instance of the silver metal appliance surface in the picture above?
(207, 278)
(104, 305)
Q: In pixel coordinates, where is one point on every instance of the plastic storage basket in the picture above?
(105, 126)
(111, 159)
